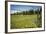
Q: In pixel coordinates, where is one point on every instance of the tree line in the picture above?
(30, 12)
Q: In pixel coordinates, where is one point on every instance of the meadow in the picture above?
(24, 21)
(23, 16)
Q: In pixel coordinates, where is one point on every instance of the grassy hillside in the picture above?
(23, 21)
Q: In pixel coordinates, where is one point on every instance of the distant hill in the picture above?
(12, 12)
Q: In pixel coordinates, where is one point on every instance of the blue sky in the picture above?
(23, 7)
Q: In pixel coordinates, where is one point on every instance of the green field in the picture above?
(23, 21)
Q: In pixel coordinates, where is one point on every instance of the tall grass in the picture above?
(24, 21)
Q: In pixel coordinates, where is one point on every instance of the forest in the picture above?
(29, 12)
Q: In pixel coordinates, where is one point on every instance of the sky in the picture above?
(23, 7)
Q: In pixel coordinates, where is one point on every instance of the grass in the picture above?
(23, 21)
